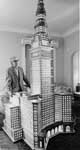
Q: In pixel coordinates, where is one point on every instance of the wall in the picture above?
(10, 45)
(60, 62)
(71, 45)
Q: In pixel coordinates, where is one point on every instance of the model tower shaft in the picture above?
(42, 70)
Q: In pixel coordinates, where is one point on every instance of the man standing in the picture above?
(16, 78)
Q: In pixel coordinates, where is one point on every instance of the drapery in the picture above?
(76, 69)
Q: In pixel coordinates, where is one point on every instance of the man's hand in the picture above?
(9, 93)
(28, 90)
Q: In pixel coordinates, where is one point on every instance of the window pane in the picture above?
(76, 69)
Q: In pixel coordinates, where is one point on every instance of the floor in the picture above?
(60, 142)
(7, 144)
(65, 142)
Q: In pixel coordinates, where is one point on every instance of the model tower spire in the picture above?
(41, 24)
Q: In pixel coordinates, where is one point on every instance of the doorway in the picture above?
(27, 61)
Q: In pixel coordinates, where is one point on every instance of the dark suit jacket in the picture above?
(14, 81)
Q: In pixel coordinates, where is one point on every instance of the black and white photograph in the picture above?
(39, 75)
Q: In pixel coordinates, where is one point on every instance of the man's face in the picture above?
(14, 64)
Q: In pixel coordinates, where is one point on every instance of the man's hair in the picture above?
(14, 58)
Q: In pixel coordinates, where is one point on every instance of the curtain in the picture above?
(76, 69)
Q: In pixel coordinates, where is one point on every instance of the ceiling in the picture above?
(19, 15)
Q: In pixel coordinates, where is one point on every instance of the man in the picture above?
(16, 78)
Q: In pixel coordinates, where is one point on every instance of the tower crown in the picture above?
(41, 34)
(40, 8)
(40, 24)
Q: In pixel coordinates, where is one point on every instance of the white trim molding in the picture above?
(15, 29)
(73, 30)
